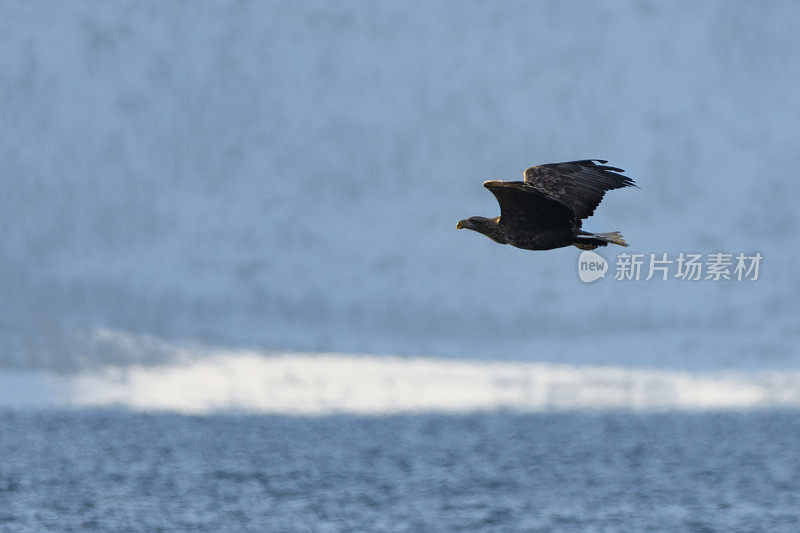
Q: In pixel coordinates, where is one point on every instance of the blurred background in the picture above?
(209, 206)
(288, 177)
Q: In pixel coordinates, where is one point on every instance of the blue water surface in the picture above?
(116, 470)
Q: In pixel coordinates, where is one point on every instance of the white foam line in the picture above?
(316, 384)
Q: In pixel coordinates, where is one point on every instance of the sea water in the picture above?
(111, 469)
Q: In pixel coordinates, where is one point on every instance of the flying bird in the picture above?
(547, 209)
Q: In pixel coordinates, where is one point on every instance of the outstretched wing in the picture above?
(580, 185)
(524, 209)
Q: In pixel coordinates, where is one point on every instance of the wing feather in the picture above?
(525, 209)
(580, 185)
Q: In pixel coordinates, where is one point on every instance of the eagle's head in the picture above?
(473, 223)
(488, 226)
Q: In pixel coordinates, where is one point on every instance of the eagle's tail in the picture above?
(590, 241)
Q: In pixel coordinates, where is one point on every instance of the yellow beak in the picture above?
(460, 224)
